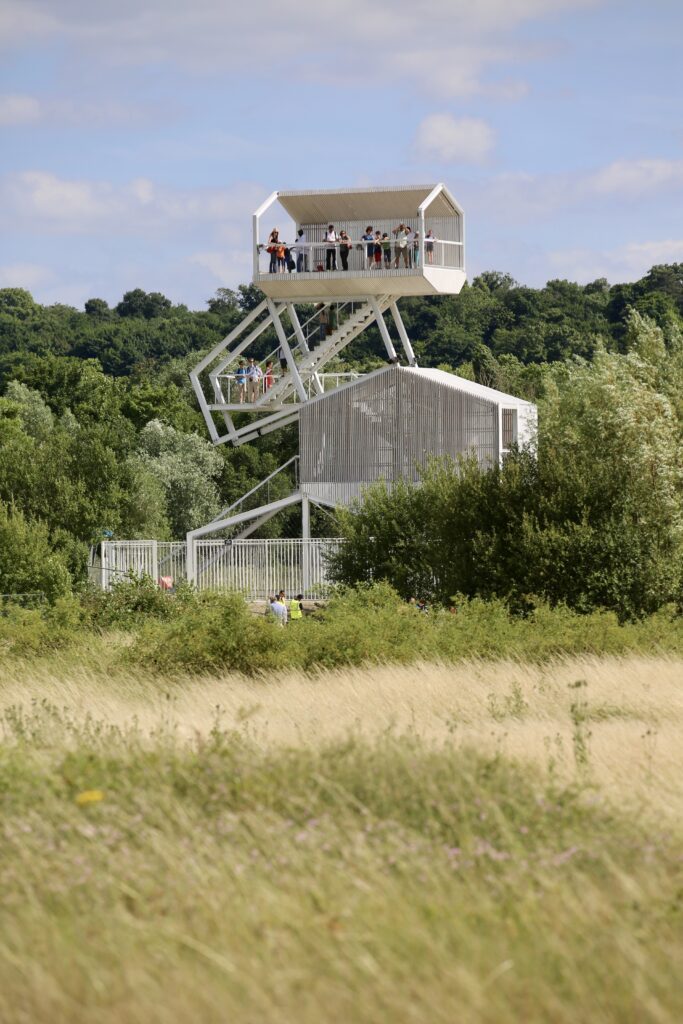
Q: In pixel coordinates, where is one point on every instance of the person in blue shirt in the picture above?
(241, 380)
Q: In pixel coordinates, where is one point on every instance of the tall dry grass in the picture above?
(477, 843)
(626, 712)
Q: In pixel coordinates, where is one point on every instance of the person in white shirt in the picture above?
(254, 375)
(301, 252)
(401, 247)
(279, 610)
(331, 252)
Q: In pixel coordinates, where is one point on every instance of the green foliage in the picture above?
(373, 625)
(186, 467)
(81, 388)
(593, 518)
(215, 633)
(30, 632)
(27, 562)
(135, 600)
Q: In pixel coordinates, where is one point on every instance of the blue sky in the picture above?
(138, 136)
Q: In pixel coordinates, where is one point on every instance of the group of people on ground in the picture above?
(284, 610)
(377, 246)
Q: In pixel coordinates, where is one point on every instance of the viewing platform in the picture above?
(330, 264)
(398, 240)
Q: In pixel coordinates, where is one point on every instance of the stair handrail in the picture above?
(266, 480)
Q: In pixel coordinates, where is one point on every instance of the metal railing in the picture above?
(257, 568)
(359, 256)
(235, 391)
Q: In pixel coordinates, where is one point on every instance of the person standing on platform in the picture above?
(241, 381)
(254, 375)
(301, 252)
(344, 248)
(268, 378)
(401, 248)
(370, 247)
(273, 246)
(331, 239)
(429, 246)
(377, 251)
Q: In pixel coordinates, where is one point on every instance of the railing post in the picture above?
(306, 543)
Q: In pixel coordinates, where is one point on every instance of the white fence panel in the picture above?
(257, 568)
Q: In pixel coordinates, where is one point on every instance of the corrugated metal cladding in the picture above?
(385, 427)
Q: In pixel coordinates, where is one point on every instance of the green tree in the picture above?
(187, 468)
(27, 562)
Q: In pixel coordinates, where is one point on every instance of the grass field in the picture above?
(483, 842)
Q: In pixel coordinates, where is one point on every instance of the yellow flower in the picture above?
(89, 796)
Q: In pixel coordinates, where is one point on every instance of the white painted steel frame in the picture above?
(279, 405)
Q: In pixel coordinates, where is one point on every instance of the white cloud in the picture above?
(624, 263)
(17, 109)
(516, 197)
(21, 109)
(633, 178)
(226, 266)
(25, 275)
(39, 201)
(451, 140)
(445, 47)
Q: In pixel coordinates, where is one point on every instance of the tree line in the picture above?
(100, 432)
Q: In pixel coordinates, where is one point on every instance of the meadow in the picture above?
(481, 841)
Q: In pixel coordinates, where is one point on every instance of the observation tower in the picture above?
(420, 231)
(339, 263)
(342, 265)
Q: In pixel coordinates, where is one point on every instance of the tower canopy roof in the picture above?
(387, 202)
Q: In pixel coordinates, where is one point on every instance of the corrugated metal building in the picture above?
(389, 423)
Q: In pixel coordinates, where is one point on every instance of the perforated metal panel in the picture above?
(387, 426)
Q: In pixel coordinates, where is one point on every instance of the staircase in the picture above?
(313, 362)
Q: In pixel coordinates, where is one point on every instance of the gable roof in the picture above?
(385, 203)
(470, 387)
(437, 377)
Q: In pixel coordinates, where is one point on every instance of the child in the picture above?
(386, 249)
(268, 376)
(377, 250)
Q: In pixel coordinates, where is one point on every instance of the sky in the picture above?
(138, 136)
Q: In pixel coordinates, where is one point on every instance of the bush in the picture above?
(371, 624)
(27, 562)
(36, 631)
(211, 633)
(136, 599)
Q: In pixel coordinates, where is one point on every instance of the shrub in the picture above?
(27, 562)
(213, 632)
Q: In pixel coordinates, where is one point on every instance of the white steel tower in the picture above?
(352, 254)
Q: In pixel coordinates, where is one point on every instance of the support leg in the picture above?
(284, 345)
(388, 344)
(403, 334)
